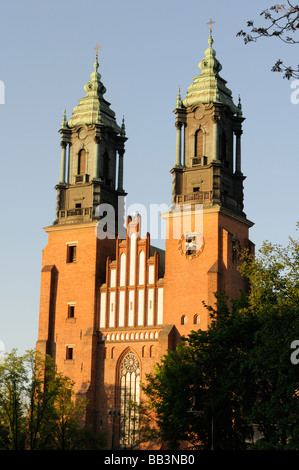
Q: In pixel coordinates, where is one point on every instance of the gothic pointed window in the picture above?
(129, 400)
(82, 162)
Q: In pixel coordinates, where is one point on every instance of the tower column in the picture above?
(184, 146)
(62, 161)
(238, 151)
(97, 156)
(68, 175)
(120, 169)
(215, 139)
(178, 144)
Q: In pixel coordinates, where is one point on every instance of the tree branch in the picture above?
(283, 27)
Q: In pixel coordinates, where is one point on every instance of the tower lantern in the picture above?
(91, 157)
(208, 167)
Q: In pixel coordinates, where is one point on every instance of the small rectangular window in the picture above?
(71, 253)
(71, 311)
(69, 353)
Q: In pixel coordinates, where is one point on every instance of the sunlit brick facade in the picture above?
(111, 304)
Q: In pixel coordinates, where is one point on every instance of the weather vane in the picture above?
(210, 23)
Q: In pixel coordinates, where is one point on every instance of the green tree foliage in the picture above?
(282, 22)
(13, 383)
(237, 377)
(274, 301)
(38, 407)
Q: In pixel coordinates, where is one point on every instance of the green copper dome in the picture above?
(209, 87)
(93, 108)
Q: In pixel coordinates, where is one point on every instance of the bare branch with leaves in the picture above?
(282, 22)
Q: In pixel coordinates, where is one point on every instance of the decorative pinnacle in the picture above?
(64, 120)
(179, 99)
(123, 128)
(239, 113)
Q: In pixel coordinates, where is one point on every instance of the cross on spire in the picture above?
(97, 49)
(210, 23)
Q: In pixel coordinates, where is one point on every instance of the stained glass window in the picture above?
(129, 400)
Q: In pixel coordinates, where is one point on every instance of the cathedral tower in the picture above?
(206, 225)
(74, 260)
(91, 170)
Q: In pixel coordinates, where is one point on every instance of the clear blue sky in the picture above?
(147, 50)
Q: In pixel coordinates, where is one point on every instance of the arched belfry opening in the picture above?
(199, 143)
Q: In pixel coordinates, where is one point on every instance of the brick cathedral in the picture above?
(111, 304)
